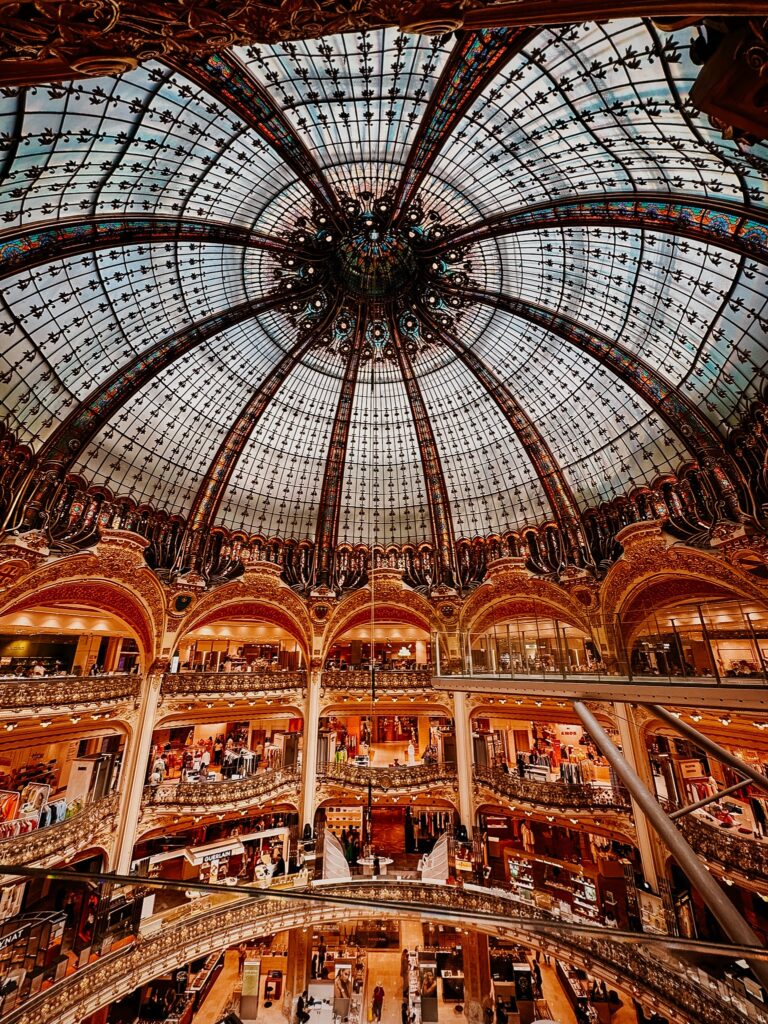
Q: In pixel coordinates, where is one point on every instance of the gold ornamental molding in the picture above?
(113, 696)
(200, 798)
(49, 40)
(94, 826)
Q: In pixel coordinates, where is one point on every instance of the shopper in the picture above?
(378, 1001)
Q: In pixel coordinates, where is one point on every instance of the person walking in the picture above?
(378, 1001)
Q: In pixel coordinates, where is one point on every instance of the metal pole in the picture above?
(620, 636)
(679, 645)
(731, 921)
(556, 624)
(708, 800)
(709, 745)
(756, 642)
(707, 641)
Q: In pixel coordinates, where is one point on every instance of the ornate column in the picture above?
(135, 768)
(464, 760)
(477, 974)
(309, 764)
(633, 748)
(297, 974)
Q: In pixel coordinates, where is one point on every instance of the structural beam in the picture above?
(565, 12)
(44, 243)
(561, 498)
(731, 921)
(222, 75)
(216, 478)
(329, 510)
(64, 446)
(727, 225)
(756, 777)
(689, 808)
(437, 492)
(476, 59)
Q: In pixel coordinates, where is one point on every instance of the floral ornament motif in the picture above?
(386, 278)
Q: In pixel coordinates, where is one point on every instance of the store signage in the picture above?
(11, 937)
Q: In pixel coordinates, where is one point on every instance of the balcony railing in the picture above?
(732, 851)
(266, 785)
(252, 684)
(385, 780)
(71, 691)
(551, 794)
(386, 680)
(93, 826)
(666, 984)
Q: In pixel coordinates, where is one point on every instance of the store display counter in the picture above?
(201, 983)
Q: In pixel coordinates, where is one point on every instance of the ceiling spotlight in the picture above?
(695, 716)
(44, 723)
(10, 726)
(726, 719)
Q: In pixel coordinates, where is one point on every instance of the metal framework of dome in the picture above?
(382, 291)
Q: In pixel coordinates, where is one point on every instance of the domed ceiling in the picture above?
(381, 288)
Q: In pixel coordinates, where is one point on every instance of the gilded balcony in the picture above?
(436, 779)
(250, 685)
(661, 983)
(67, 693)
(228, 795)
(95, 825)
(559, 796)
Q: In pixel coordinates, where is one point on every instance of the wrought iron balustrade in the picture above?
(55, 691)
(385, 679)
(656, 981)
(551, 794)
(737, 852)
(187, 795)
(92, 826)
(180, 684)
(384, 780)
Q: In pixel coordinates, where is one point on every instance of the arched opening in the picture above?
(89, 630)
(252, 638)
(528, 638)
(687, 627)
(391, 645)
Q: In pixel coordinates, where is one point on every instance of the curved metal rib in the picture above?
(20, 251)
(327, 528)
(437, 492)
(475, 60)
(226, 79)
(216, 479)
(63, 447)
(694, 429)
(561, 498)
(727, 225)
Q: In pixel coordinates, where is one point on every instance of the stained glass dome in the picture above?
(381, 288)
